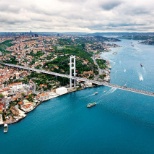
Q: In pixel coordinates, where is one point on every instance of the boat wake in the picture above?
(140, 77)
(125, 84)
(111, 91)
(95, 93)
(112, 62)
(144, 70)
(124, 70)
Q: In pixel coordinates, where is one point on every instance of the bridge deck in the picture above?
(84, 79)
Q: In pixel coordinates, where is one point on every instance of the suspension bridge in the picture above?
(73, 77)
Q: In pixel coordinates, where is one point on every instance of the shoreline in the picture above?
(23, 113)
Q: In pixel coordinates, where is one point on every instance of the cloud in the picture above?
(77, 15)
(109, 5)
(73, 1)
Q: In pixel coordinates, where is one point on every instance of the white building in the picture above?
(61, 90)
(88, 84)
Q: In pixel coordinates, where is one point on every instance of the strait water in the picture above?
(121, 122)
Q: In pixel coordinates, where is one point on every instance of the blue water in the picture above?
(121, 122)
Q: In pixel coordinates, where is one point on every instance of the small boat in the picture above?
(5, 128)
(141, 65)
(95, 93)
(91, 104)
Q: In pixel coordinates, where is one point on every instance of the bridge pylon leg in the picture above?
(72, 70)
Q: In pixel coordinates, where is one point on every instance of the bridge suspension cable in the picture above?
(85, 80)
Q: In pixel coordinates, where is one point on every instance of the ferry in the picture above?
(91, 104)
(5, 128)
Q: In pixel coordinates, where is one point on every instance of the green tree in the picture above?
(30, 98)
(1, 96)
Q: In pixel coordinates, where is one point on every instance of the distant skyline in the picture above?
(77, 15)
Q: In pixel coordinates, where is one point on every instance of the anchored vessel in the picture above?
(91, 104)
(5, 128)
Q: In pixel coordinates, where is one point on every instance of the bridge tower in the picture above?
(72, 70)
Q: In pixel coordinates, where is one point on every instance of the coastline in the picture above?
(23, 113)
(105, 72)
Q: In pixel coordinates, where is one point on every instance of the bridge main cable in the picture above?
(84, 79)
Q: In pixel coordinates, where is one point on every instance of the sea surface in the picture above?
(121, 122)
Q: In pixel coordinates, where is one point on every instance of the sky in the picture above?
(77, 15)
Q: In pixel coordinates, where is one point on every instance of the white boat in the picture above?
(91, 104)
(5, 128)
